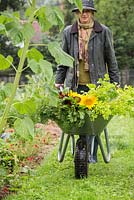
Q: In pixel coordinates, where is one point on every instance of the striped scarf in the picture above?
(84, 35)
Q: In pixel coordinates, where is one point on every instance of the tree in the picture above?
(119, 16)
(12, 4)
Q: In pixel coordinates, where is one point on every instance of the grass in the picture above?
(113, 181)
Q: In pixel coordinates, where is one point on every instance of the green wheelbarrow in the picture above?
(81, 149)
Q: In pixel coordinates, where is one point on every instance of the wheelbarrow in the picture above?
(82, 150)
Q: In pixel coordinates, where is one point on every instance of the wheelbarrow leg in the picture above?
(91, 148)
(72, 144)
(62, 149)
(106, 157)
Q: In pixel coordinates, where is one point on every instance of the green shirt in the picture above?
(84, 77)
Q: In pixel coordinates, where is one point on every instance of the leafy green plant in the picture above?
(19, 153)
(20, 34)
(106, 100)
(7, 158)
(20, 106)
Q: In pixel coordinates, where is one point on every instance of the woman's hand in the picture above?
(59, 85)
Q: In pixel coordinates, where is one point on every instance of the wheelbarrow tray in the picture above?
(88, 128)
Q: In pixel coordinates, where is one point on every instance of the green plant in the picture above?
(20, 34)
(105, 99)
(123, 39)
(8, 159)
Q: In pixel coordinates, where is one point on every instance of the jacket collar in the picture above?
(97, 27)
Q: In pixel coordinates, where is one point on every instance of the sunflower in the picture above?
(88, 101)
(75, 95)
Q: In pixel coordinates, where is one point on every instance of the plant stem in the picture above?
(15, 86)
(4, 117)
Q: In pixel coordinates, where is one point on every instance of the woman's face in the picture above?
(85, 17)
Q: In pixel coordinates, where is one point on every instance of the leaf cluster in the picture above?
(119, 16)
(111, 100)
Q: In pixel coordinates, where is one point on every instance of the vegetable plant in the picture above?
(20, 33)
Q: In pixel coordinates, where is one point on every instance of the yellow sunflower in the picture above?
(88, 101)
(75, 95)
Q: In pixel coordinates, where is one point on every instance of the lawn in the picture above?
(114, 181)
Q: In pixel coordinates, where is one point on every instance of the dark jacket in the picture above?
(102, 58)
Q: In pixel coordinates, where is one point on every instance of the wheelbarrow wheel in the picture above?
(81, 159)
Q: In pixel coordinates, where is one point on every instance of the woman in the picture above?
(90, 44)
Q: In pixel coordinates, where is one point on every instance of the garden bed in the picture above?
(46, 145)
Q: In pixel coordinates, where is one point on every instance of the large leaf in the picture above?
(53, 100)
(16, 29)
(43, 66)
(2, 28)
(28, 31)
(24, 128)
(7, 16)
(43, 20)
(5, 19)
(11, 22)
(59, 16)
(12, 25)
(26, 106)
(46, 69)
(60, 56)
(49, 16)
(34, 54)
(55, 16)
(5, 62)
(34, 66)
(28, 12)
(16, 35)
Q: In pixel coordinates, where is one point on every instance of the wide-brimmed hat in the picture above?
(86, 4)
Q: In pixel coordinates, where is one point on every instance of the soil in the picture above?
(54, 132)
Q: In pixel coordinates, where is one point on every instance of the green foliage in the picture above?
(105, 100)
(24, 128)
(16, 152)
(5, 92)
(38, 92)
(21, 33)
(60, 56)
(48, 17)
(14, 29)
(33, 53)
(7, 158)
(7, 48)
(27, 106)
(119, 16)
(15, 5)
(5, 62)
